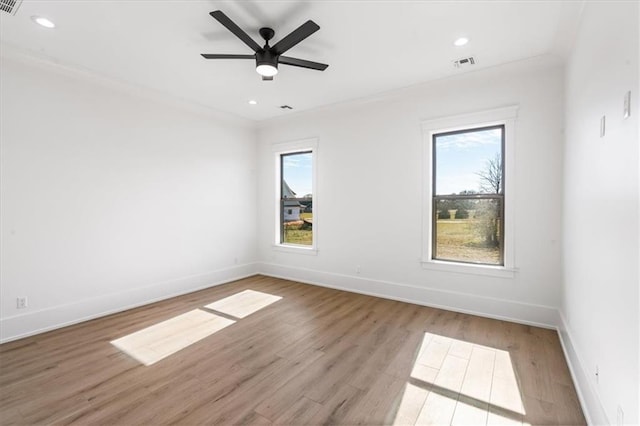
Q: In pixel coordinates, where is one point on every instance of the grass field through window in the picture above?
(463, 240)
(298, 232)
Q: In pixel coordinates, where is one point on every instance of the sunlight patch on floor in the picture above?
(413, 399)
(158, 341)
(460, 383)
(243, 304)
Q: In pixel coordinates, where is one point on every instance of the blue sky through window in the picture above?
(297, 172)
(459, 157)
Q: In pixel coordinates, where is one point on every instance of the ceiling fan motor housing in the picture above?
(266, 57)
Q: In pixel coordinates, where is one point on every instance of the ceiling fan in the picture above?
(269, 57)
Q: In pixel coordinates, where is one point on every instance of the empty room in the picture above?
(319, 212)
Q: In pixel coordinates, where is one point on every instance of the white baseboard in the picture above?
(27, 324)
(589, 399)
(508, 310)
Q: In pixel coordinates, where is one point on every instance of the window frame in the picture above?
(459, 123)
(483, 196)
(289, 148)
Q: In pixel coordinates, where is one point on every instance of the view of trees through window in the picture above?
(296, 198)
(468, 196)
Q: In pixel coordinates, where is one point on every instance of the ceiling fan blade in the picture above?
(265, 78)
(302, 63)
(231, 26)
(296, 36)
(226, 56)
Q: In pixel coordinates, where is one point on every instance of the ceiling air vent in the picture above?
(10, 6)
(464, 62)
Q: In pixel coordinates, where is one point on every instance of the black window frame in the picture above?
(484, 196)
(283, 198)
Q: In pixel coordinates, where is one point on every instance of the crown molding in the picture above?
(51, 64)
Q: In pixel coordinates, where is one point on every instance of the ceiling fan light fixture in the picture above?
(266, 63)
(267, 70)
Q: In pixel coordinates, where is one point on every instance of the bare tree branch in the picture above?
(491, 176)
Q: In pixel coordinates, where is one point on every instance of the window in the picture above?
(468, 196)
(296, 226)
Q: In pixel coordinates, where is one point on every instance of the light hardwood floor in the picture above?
(315, 356)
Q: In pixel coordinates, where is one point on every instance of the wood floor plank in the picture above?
(378, 402)
(435, 353)
(479, 375)
(499, 417)
(404, 362)
(467, 413)
(314, 355)
(253, 418)
(336, 408)
(452, 373)
(379, 359)
(409, 405)
(243, 304)
(299, 413)
(438, 409)
(12, 417)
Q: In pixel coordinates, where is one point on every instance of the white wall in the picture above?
(601, 222)
(111, 200)
(370, 170)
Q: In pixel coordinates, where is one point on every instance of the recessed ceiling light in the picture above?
(252, 102)
(43, 22)
(461, 41)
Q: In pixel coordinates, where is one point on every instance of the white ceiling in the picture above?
(370, 46)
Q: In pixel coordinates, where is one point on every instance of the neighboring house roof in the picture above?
(287, 192)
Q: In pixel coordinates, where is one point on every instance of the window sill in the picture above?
(466, 268)
(286, 248)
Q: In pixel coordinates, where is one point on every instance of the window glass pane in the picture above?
(468, 162)
(296, 203)
(469, 230)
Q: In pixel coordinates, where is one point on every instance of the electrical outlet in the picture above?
(358, 269)
(620, 417)
(21, 302)
(603, 125)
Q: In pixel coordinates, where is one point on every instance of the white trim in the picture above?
(278, 149)
(473, 119)
(489, 307)
(469, 268)
(294, 146)
(36, 322)
(587, 394)
(499, 116)
(292, 248)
